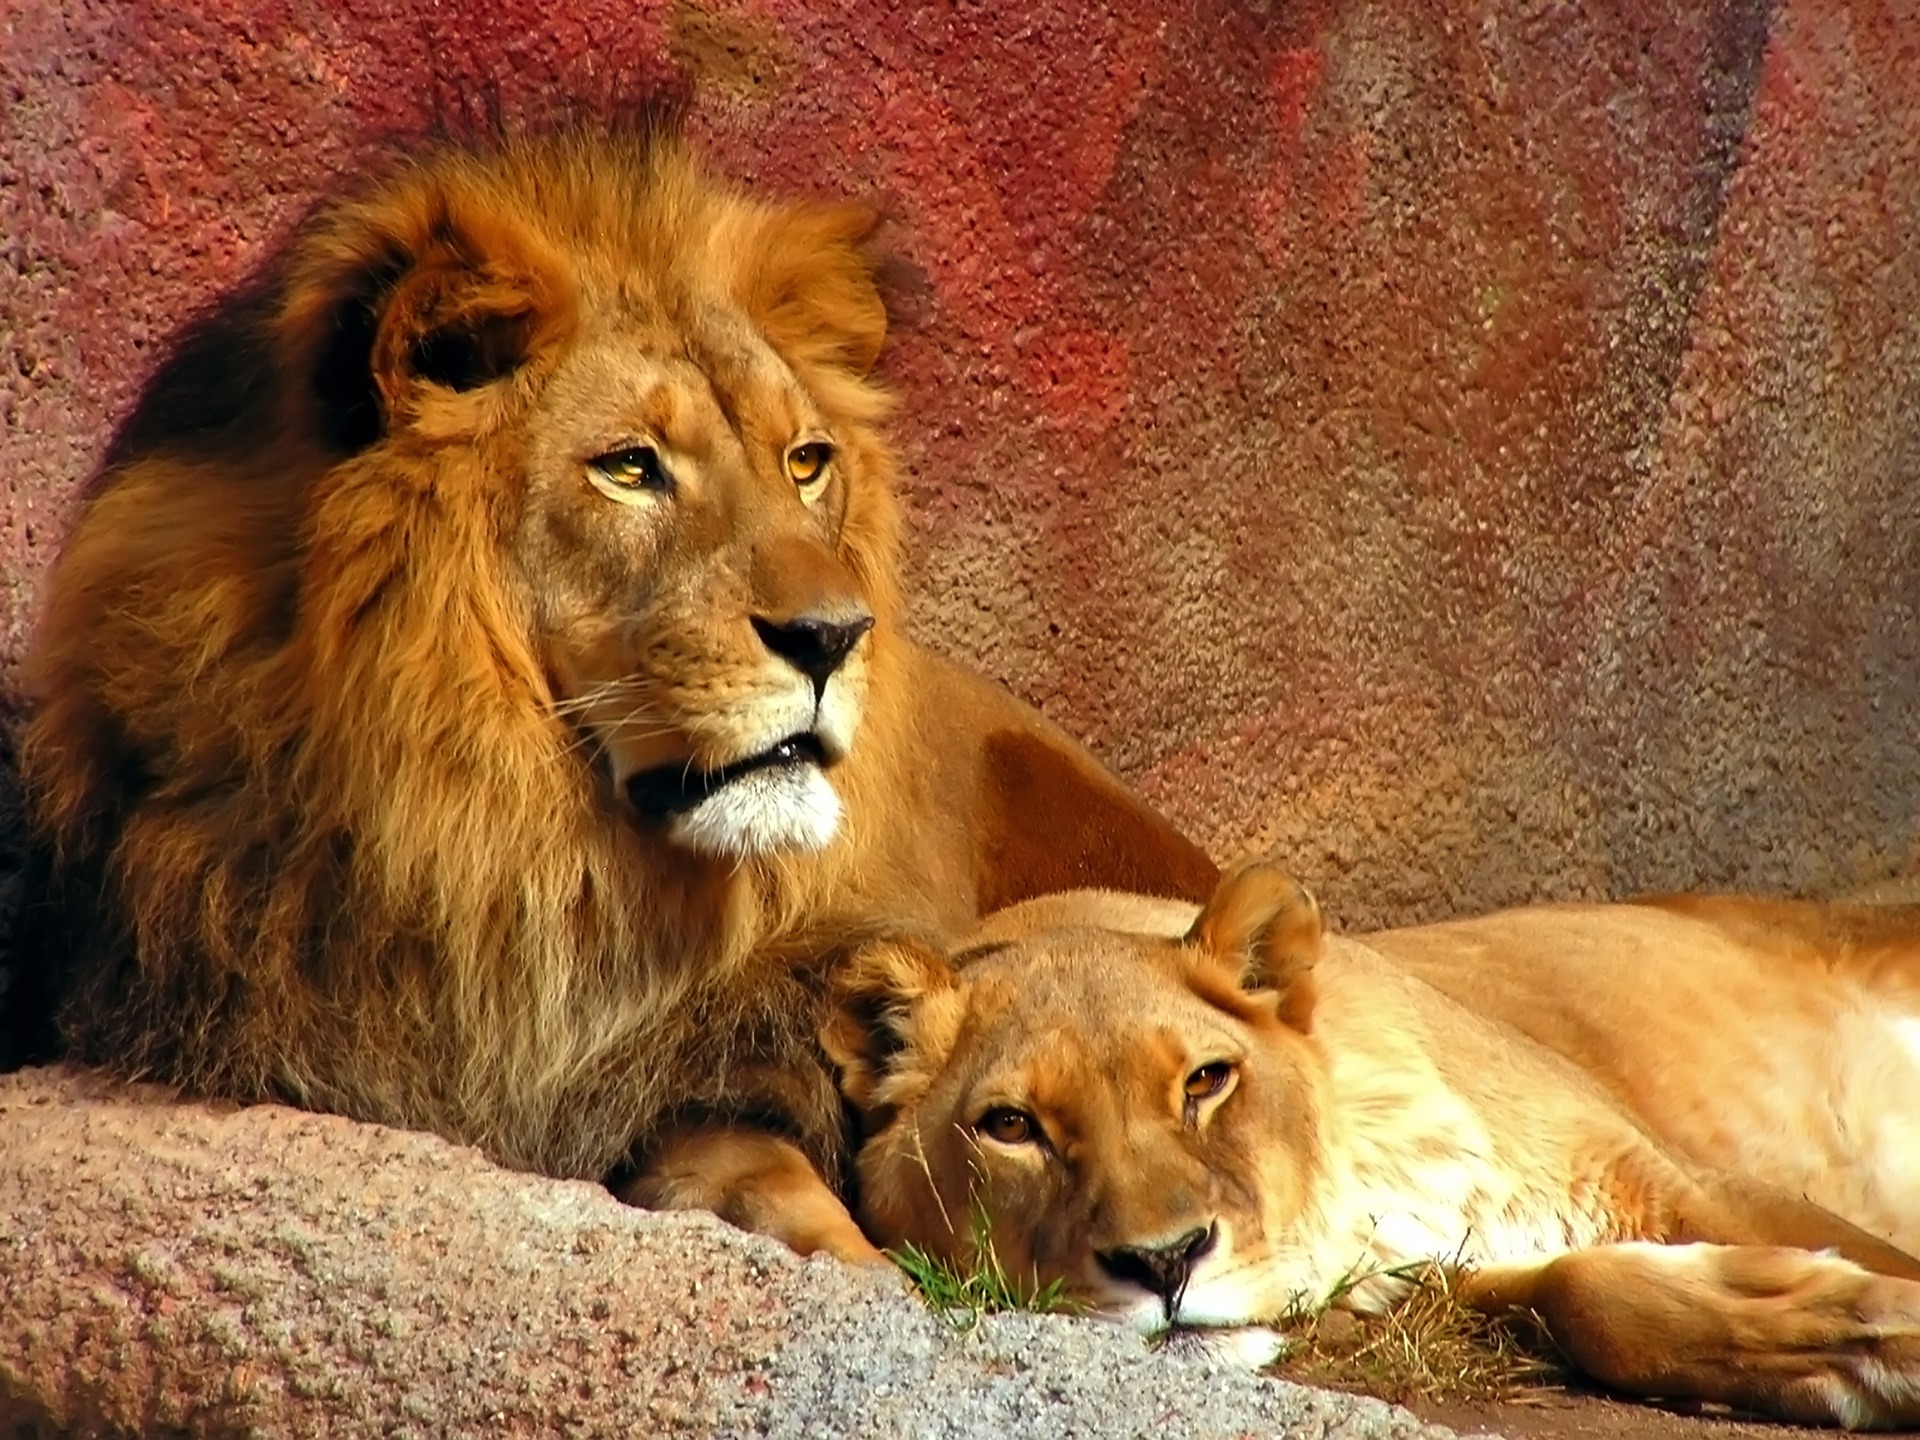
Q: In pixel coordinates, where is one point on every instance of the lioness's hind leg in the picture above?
(755, 1180)
(1795, 1334)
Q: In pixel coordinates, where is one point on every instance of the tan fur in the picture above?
(1227, 1115)
(353, 648)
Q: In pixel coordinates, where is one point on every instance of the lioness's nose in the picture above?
(1163, 1269)
(813, 644)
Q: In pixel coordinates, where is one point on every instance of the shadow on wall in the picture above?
(16, 1044)
(1470, 449)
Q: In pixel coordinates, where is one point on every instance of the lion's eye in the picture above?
(636, 468)
(1008, 1126)
(1209, 1080)
(808, 463)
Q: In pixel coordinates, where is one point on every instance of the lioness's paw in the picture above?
(1867, 1375)
(1797, 1334)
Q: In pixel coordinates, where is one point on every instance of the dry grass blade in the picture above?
(1432, 1347)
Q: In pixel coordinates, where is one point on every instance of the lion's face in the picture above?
(1132, 1115)
(655, 389)
(686, 506)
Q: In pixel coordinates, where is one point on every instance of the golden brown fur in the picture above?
(1643, 1122)
(488, 507)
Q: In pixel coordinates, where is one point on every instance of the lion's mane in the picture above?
(315, 828)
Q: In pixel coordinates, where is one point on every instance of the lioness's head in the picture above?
(656, 389)
(1131, 1101)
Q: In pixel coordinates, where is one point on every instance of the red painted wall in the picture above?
(1471, 446)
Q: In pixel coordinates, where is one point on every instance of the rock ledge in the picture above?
(183, 1269)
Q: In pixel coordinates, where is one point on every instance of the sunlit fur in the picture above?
(329, 717)
(353, 648)
(762, 813)
(1519, 1095)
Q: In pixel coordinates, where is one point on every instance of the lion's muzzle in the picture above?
(668, 791)
(812, 644)
(778, 799)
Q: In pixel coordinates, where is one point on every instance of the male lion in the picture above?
(1213, 1120)
(473, 696)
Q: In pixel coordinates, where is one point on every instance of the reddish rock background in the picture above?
(1472, 446)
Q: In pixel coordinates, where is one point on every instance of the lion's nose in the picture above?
(813, 644)
(1163, 1269)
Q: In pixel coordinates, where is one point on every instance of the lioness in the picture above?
(1212, 1119)
(473, 695)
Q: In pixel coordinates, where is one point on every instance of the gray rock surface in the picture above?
(185, 1269)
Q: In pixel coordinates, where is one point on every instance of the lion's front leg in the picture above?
(1796, 1334)
(755, 1180)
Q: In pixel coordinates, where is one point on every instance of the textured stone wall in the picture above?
(1472, 446)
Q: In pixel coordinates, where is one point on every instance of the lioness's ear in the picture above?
(892, 993)
(420, 292)
(1263, 924)
(811, 284)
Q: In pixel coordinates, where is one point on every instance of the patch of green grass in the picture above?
(1432, 1346)
(962, 1294)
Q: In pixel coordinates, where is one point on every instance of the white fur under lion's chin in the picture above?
(779, 809)
(783, 808)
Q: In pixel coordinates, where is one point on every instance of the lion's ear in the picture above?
(393, 305)
(1263, 925)
(812, 285)
(893, 994)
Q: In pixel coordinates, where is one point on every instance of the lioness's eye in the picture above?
(807, 463)
(636, 468)
(1209, 1080)
(1007, 1125)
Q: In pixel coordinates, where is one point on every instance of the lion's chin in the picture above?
(778, 799)
(780, 807)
